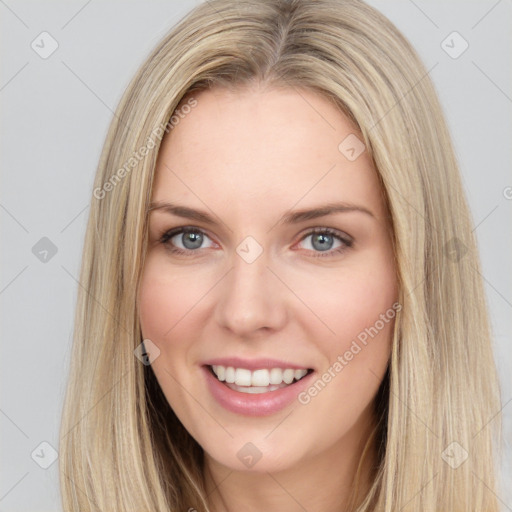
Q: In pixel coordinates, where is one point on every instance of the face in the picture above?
(274, 327)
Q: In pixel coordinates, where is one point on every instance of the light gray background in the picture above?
(55, 114)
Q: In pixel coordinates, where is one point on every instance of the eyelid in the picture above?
(345, 238)
(170, 233)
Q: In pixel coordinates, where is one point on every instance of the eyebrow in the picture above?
(293, 217)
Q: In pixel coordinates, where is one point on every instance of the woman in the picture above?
(282, 307)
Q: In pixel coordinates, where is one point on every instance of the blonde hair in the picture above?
(122, 448)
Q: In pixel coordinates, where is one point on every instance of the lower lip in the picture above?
(261, 404)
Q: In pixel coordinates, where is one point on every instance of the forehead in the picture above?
(253, 149)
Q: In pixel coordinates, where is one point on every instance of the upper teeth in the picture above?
(263, 377)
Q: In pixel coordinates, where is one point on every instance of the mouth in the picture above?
(263, 380)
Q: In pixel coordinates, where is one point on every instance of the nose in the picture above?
(252, 299)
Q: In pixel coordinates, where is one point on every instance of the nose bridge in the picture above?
(251, 297)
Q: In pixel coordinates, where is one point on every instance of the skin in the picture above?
(247, 157)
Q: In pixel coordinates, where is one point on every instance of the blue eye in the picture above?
(322, 240)
(192, 238)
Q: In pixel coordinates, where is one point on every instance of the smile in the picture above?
(257, 381)
(255, 387)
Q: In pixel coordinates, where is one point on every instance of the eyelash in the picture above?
(347, 242)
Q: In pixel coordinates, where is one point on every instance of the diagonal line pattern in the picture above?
(80, 80)
(408, 91)
(492, 81)
(14, 76)
(14, 423)
(217, 485)
(198, 403)
(76, 14)
(306, 193)
(13, 13)
(213, 8)
(102, 397)
(92, 297)
(424, 13)
(203, 296)
(298, 92)
(409, 204)
(301, 300)
(391, 391)
(223, 223)
(493, 287)
(89, 499)
(113, 112)
(419, 492)
(12, 280)
(492, 491)
(281, 422)
(5, 495)
(485, 15)
(14, 218)
(286, 491)
(488, 215)
(494, 416)
(73, 219)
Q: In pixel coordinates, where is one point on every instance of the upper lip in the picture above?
(254, 364)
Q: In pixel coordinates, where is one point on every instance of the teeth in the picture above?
(230, 374)
(257, 378)
(288, 376)
(220, 371)
(276, 376)
(298, 374)
(243, 377)
(260, 378)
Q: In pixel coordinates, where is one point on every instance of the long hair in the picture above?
(121, 446)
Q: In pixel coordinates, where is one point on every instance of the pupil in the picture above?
(195, 238)
(324, 240)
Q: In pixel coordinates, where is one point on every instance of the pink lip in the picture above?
(262, 404)
(253, 364)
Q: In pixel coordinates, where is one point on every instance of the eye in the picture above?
(190, 238)
(322, 240)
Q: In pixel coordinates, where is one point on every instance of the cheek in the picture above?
(157, 307)
(365, 327)
(356, 305)
(165, 303)
(352, 300)
(362, 301)
(165, 300)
